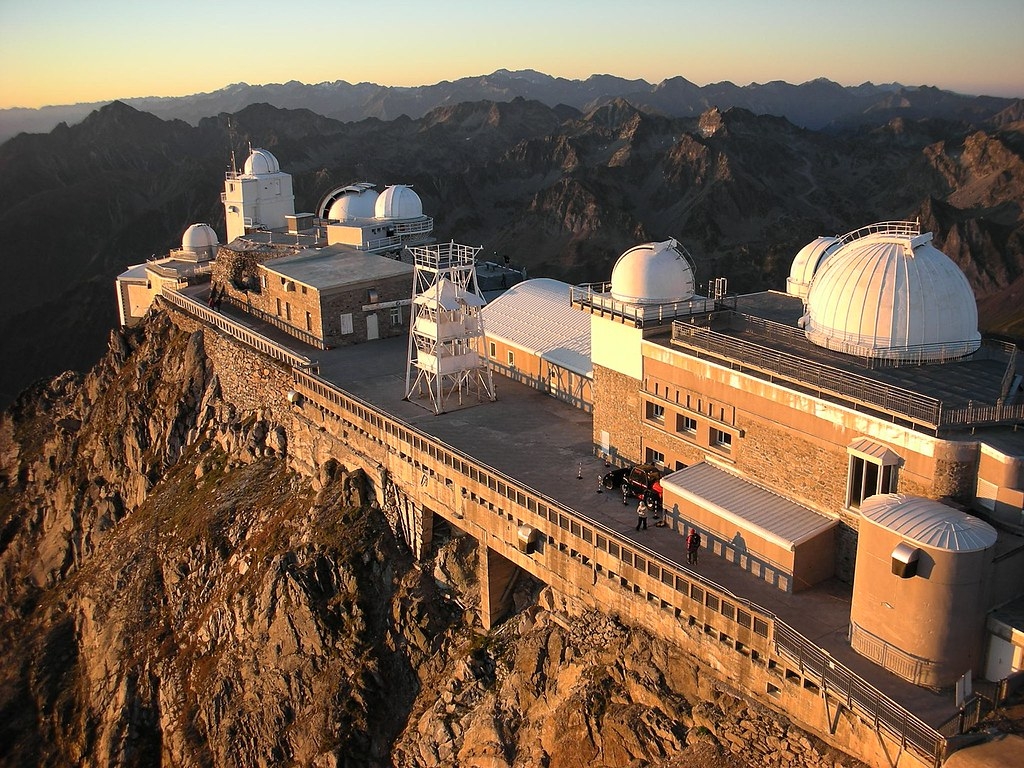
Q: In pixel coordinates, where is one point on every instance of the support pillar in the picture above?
(418, 522)
(498, 576)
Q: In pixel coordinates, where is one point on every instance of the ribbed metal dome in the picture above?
(895, 296)
(200, 238)
(260, 163)
(353, 204)
(807, 262)
(398, 202)
(653, 273)
(928, 522)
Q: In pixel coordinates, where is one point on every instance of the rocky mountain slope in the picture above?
(560, 191)
(172, 593)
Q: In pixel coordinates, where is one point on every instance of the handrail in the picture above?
(598, 297)
(903, 228)
(913, 406)
(246, 335)
(269, 319)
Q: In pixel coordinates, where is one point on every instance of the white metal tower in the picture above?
(446, 338)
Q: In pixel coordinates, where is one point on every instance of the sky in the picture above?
(70, 51)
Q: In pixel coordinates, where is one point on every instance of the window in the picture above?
(656, 412)
(494, 350)
(278, 307)
(511, 359)
(309, 322)
(346, 323)
(303, 290)
(873, 470)
(655, 457)
(396, 315)
(287, 311)
(263, 282)
(686, 423)
(721, 440)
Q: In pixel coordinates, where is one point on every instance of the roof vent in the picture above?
(904, 560)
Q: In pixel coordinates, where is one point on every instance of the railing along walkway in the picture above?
(238, 331)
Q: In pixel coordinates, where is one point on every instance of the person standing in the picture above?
(641, 515)
(692, 546)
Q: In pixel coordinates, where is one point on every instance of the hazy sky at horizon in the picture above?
(68, 51)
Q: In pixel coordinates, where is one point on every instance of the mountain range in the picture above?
(816, 104)
(559, 190)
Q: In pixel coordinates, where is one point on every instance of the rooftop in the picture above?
(759, 334)
(336, 266)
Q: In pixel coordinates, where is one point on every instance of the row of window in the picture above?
(686, 426)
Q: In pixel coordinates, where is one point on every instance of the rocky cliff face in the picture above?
(171, 593)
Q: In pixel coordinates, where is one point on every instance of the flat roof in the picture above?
(337, 266)
(769, 322)
(748, 505)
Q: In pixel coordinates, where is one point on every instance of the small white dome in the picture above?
(200, 239)
(353, 203)
(261, 163)
(653, 273)
(807, 262)
(398, 202)
(894, 296)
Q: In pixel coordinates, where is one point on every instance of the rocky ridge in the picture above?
(172, 593)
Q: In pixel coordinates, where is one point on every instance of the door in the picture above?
(372, 331)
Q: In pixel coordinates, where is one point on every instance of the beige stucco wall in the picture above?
(936, 618)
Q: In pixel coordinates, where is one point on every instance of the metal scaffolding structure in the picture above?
(447, 344)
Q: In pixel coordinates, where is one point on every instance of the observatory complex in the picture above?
(851, 436)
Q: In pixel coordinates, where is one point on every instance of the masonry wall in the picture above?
(616, 405)
(353, 299)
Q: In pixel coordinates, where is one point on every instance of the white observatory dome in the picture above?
(398, 202)
(200, 239)
(260, 163)
(653, 273)
(355, 202)
(894, 296)
(807, 262)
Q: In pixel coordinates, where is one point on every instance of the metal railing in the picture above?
(236, 330)
(277, 322)
(900, 228)
(859, 696)
(598, 298)
(809, 375)
(899, 662)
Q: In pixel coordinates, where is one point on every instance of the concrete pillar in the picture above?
(418, 522)
(498, 576)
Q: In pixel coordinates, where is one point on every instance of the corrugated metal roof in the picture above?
(928, 522)
(536, 316)
(867, 448)
(747, 505)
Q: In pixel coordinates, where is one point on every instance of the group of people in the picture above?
(651, 504)
(215, 297)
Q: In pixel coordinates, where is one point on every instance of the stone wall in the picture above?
(616, 411)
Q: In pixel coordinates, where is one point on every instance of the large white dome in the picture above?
(200, 239)
(807, 262)
(894, 296)
(653, 273)
(398, 202)
(260, 163)
(356, 202)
